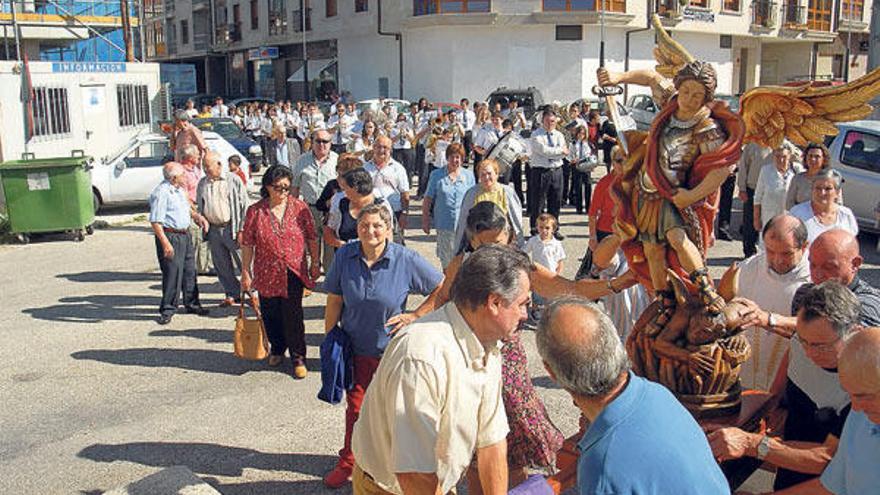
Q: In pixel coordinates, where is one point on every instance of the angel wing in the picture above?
(668, 53)
(804, 114)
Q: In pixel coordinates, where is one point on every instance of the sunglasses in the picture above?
(281, 189)
(323, 141)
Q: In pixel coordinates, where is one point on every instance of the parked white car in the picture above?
(128, 176)
(855, 153)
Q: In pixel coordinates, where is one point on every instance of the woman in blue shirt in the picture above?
(368, 284)
(446, 189)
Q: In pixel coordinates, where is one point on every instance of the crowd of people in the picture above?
(442, 393)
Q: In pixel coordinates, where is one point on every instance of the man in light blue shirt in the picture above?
(170, 217)
(641, 440)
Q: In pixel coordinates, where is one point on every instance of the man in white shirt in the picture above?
(219, 110)
(467, 117)
(435, 399)
(487, 136)
(341, 124)
(191, 109)
(771, 279)
(548, 149)
(754, 157)
(311, 121)
(390, 182)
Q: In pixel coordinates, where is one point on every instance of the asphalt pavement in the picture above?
(96, 395)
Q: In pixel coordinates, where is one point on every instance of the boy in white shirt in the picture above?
(547, 251)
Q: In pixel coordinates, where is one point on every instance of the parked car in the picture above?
(627, 122)
(237, 102)
(855, 153)
(644, 108)
(375, 105)
(530, 99)
(229, 130)
(128, 176)
(199, 99)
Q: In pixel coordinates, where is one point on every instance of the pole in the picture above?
(302, 12)
(874, 37)
(15, 30)
(125, 16)
(848, 43)
(141, 42)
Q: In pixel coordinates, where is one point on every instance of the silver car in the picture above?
(855, 153)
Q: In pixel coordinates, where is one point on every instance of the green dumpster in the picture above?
(48, 195)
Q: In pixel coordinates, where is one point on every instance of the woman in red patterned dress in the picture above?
(277, 236)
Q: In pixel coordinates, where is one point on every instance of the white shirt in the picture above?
(771, 190)
(467, 118)
(401, 136)
(219, 111)
(548, 149)
(487, 136)
(845, 220)
(821, 386)
(313, 121)
(545, 253)
(773, 292)
(437, 156)
(193, 113)
(389, 182)
(581, 150)
(342, 135)
(434, 400)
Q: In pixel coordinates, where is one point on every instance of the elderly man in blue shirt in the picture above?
(641, 439)
(170, 215)
(855, 467)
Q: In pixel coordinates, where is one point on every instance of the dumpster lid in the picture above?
(44, 163)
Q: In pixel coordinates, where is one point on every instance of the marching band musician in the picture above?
(362, 144)
(582, 159)
(521, 149)
(487, 136)
(340, 124)
(467, 117)
(516, 115)
(402, 136)
(311, 121)
(548, 149)
(290, 119)
(436, 152)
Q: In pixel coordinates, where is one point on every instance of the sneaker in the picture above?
(338, 477)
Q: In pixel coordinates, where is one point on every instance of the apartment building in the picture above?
(448, 49)
(66, 30)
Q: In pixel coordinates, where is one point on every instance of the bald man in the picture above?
(221, 198)
(834, 255)
(855, 468)
(170, 218)
(630, 417)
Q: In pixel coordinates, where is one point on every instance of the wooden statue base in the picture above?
(754, 407)
(713, 406)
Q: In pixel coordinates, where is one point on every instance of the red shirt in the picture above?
(601, 206)
(278, 248)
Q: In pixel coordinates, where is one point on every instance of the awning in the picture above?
(315, 68)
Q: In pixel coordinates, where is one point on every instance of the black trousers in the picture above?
(178, 273)
(283, 319)
(566, 181)
(548, 194)
(468, 142)
(516, 179)
(725, 203)
(750, 235)
(581, 190)
(407, 158)
(338, 148)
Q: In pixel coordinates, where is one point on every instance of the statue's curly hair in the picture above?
(702, 72)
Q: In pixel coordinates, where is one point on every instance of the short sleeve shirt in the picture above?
(845, 220)
(372, 295)
(389, 182)
(547, 254)
(602, 206)
(311, 177)
(853, 469)
(434, 400)
(278, 247)
(446, 196)
(169, 206)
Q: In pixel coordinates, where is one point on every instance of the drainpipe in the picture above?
(647, 27)
(399, 38)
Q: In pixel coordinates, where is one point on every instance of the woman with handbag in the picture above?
(369, 282)
(279, 257)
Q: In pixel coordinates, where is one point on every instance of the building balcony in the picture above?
(583, 12)
(430, 7)
(852, 18)
(794, 16)
(764, 16)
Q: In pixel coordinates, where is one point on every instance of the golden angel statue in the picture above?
(667, 197)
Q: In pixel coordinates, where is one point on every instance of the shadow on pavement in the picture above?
(92, 277)
(209, 361)
(96, 309)
(209, 458)
(214, 336)
(305, 487)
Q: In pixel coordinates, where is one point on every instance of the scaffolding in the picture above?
(110, 23)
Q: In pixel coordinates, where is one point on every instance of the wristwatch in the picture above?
(771, 321)
(763, 448)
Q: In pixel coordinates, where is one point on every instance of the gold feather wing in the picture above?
(668, 53)
(805, 114)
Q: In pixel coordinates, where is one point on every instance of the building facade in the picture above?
(449, 49)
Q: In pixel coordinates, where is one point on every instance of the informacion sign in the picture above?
(263, 53)
(699, 15)
(112, 67)
(38, 181)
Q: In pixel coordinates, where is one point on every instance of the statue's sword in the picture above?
(609, 92)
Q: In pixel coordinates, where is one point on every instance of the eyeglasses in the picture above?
(818, 347)
(323, 141)
(280, 188)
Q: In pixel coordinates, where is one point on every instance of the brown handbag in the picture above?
(249, 337)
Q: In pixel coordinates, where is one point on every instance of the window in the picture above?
(701, 4)
(852, 10)
(569, 33)
(277, 17)
(731, 5)
(819, 15)
(50, 112)
(361, 5)
(133, 105)
(584, 5)
(255, 14)
(861, 150)
(330, 8)
(184, 32)
(426, 7)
